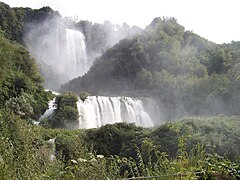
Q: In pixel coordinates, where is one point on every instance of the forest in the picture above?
(184, 73)
(195, 83)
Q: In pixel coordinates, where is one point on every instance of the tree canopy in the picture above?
(185, 73)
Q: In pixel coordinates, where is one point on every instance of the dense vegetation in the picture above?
(20, 82)
(65, 115)
(169, 151)
(22, 99)
(34, 27)
(185, 73)
(100, 37)
(185, 69)
(218, 135)
(13, 21)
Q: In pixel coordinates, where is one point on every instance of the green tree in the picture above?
(66, 114)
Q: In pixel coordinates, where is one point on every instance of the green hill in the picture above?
(13, 20)
(184, 72)
(21, 84)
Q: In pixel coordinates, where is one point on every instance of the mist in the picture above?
(164, 63)
(59, 51)
(160, 101)
(66, 48)
(185, 74)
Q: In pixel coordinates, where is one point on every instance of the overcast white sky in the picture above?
(215, 20)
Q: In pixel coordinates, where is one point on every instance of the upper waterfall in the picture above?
(60, 52)
(76, 63)
(96, 111)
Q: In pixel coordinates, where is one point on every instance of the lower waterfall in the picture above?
(96, 111)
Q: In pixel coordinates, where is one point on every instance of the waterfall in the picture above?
(60, 52)
(52, 147)
(76, 63)
(96, 111)
(49, 111)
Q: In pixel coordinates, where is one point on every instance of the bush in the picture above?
(84, 95)
(66, 114)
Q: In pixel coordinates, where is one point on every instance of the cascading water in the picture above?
(50, 110)
(76, 63)
(60, 52)
(96, 111)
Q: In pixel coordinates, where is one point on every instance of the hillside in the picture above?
(13, 21)
(42, 31)
(184, 72)
(21, 87)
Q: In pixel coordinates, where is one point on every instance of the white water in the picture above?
(54, 92)
(49, 111)
(53, 149)
(76, 63)
(58, 50)
(97, 111)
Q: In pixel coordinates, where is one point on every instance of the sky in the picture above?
(215, 20)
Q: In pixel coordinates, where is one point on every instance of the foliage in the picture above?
(25, 25)
(117, 139)
(10, 21)
(217, 135)
(222, 166)
(66, 114)
(21, 105)
(23, 153)
(183, 72)
(69, 145)
(100, 37)
(166, 138)
(83, 95)
(20, 81)
(13, 21)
